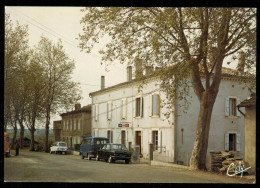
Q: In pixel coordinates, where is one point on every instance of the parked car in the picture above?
(59, 147)
(90, 146)
(113, 152)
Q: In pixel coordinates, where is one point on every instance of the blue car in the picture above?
(90, 146)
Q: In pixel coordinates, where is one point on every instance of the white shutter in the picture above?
(226, 142)
(238, 102)
(156, 104)
(109, 110)
(123, 108)
(134, 109)
(238, 142)
(150, 105)
(96, 112)
(227, 107)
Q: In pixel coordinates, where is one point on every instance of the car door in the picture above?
(107, 151)
(101, 152)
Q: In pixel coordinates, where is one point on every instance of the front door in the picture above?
(138, 139)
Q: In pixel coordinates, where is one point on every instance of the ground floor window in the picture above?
(155, 140)
(232, 142)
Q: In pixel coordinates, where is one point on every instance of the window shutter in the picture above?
(150, 105)
(227, 107)
(109, 110)
(226, 142)
(141, 106)
(134, 109)
(156, 105)
(238, 142)
(238, 102)
(123, 108)
(96, 112)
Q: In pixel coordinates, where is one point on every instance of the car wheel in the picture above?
(55, 152)
(110, 160)
(127, 161)
(97, 158)
(82, 156)
(50, 152)
(65, 153)
(89, 158)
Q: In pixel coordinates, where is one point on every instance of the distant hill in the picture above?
(27, 132)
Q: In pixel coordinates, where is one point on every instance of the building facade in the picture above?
(75, 125)
(132, 114)
(250, 130)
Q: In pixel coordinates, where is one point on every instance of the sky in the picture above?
(64, 23)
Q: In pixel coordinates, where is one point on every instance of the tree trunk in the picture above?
(46, 149)
(14, 136)
(21, 135)
(199, 153)
(32, 146)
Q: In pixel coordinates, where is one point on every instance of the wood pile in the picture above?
(217, 158)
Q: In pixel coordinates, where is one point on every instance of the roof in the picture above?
(250, 101)
(226, 72)
(82, 109)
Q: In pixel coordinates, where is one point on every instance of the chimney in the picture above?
(102, 82)
(148, 70)
(77, 106)
(241, 62)
(129, 73)
(138, 69)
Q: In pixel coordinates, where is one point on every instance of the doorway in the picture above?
(123, 137)
(138, 140)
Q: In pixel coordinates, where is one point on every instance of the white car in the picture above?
(59, 147)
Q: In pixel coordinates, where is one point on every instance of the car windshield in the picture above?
(118, 147)
(62, 144)
(100, 141)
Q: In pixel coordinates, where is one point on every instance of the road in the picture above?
(45, 167)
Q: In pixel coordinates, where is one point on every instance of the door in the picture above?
(138, 140)
(123, 137)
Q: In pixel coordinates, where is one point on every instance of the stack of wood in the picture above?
(226, 163)
(217, 158)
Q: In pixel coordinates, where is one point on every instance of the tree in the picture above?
(59, 90)
(16, 48)
(188, 43)
(35, 83)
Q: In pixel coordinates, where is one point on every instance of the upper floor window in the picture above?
(139, 107)
(155, 105)
(231, 106)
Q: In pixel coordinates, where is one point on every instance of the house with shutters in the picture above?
(132, 115)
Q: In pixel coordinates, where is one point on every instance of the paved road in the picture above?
(45, 167)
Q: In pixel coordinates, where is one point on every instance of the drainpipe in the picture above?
(240, 111)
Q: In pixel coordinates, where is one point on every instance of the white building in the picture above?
(129, 114)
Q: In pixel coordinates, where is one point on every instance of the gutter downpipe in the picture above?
(240, 111)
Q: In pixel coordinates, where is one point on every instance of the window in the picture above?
(110, 136)
(231, 106)
(109, 110)
(139, 107)
(155, 105)
(232, 142)
(123, 109)
(155, 140)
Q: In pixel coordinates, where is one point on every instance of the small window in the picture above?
(232, 142)
(123, 109)
(109, 110)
